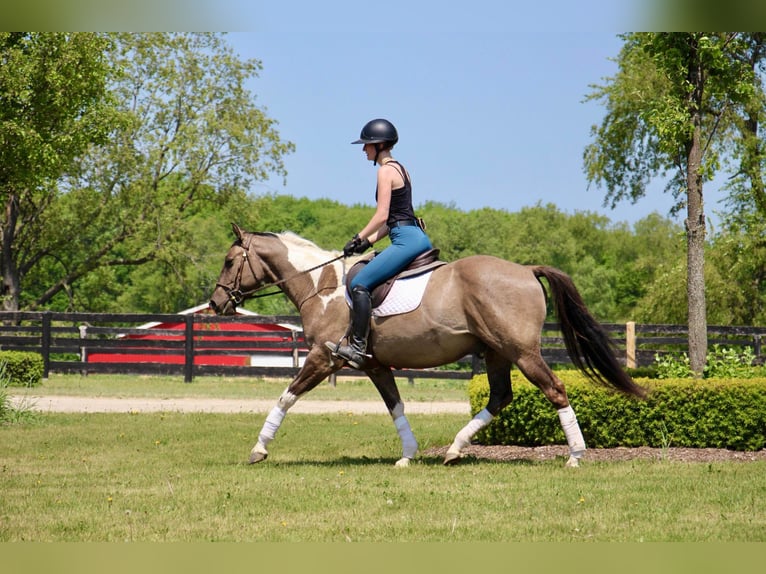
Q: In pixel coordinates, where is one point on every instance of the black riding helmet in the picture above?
(378, 131)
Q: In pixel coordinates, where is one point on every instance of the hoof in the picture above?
(403, 462)
(573, 462)
(257, 457)
(452, 458)
(258, 454)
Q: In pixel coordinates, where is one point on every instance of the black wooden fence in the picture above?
(67, 343)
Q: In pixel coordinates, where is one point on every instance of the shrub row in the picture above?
(709, 413)
(21, 369)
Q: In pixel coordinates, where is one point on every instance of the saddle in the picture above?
(424, 262)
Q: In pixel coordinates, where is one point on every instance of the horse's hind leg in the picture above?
(384, 381)
(500, 395)
(540, 374)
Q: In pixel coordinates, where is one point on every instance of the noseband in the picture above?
(235, 293)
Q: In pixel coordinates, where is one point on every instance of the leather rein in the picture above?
(237, 296)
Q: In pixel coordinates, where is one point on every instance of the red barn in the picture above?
(253, 335)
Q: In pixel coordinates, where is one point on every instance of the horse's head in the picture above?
(243, 273)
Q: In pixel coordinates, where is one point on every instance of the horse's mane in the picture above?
(298, 241)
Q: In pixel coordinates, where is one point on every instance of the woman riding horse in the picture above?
(395, 217)
(477, 304)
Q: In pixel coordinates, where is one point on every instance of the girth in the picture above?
(424, 262)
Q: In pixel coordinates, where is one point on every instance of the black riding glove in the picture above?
(363, 246)
(350, 246)
(356, 245)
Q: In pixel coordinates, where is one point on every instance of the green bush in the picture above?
(720, 362)
(709, 413)
(22, 369)
(11, 412)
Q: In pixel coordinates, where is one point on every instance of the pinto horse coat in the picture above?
(477, 304)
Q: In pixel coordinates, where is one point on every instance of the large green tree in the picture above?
(53, 105)
(190, 138)
(671, 109)
(747, 188)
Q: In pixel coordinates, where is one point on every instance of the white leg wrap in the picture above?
(572, 431)
(463, 438)
(271, 426)
(409, 443)
(274, 420)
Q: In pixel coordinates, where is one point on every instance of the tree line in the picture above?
(124, 158)
(624, 272)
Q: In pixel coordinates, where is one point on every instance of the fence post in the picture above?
(83, 350)
(189, 348)
(46, 344)
(630, 344)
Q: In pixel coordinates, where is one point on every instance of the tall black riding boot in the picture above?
(355, 352)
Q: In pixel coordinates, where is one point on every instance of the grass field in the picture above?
(330, 478)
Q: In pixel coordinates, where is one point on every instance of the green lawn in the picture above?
(330, 478)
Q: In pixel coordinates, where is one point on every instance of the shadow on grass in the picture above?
(423, 460)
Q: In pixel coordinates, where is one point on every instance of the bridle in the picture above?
(235, 293)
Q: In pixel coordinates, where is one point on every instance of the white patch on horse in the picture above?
(304, 254)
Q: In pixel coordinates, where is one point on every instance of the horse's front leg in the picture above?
(384, 381)
(315, 369)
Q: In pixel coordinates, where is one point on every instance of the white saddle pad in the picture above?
(405, 296)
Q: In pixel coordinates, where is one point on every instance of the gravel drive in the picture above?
(69, 404)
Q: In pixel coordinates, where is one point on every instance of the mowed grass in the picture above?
(331, 478)
(421, 390)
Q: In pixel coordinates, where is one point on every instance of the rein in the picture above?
(236, 295)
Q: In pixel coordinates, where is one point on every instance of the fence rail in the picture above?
(207, 345)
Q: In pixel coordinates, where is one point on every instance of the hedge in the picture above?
(21, 369)
(709, 413)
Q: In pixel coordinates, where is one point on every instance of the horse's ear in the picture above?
(237, 230)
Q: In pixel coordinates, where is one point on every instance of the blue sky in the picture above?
(487, 95)
(487, 98)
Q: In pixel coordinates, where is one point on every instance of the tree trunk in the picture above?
(695, 238)
(695, 230)
(8, 268)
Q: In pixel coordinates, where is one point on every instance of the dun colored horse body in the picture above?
(479, 304)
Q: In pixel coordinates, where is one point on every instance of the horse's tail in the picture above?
(588, 344)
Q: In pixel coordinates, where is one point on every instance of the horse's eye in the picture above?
(228, 263)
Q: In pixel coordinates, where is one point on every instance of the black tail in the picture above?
(588, 344)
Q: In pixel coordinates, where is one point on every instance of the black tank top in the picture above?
(401, 198)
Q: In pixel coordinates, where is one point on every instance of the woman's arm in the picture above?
(376, 228)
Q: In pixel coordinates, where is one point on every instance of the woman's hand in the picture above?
(356, 245)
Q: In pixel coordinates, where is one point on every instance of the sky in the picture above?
(487, 95)
(488, 100)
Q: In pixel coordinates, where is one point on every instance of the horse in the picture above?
(478, 304)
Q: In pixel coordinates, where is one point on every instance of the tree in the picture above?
(739, 260)
(53, 105)
(746, 186)
(189, 139)
(671, 108)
